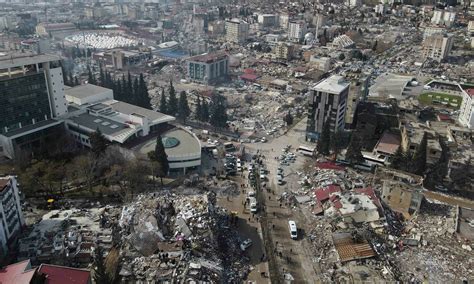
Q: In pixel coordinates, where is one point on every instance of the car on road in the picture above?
(245, 244)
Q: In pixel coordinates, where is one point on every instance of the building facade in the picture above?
(11, 216)
(445, 18)
(466, 112)
(284, 51)
(32, 96)
(208, 68)
(296, 31)
(437, 46)
(236, 31)
(328, 102)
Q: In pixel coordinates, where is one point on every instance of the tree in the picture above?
(101, 76)
(324, 142)
(218, 111)
(354, 154)
(198, 110)
(143, 91)
(129, 89)
(160, 158)
(205, 111)
(91, 78)
(98, 143)
(419, 158)
(163, 102)
(183, 110)
(100, 271)
(342, 56)
(172, 101)
(288, 119)
(136, 100)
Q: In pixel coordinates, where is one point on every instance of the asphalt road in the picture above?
(296, 257)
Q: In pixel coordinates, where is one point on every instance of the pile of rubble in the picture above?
(179, 237)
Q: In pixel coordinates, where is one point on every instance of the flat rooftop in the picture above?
(208, 57)
(334, 85)
(105, 125)
(84, 91)
(389, 85)
(127, 108)
(31, 128)
(188, 144)
(19, 59)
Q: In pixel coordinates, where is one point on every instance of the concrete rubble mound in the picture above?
(179, 237)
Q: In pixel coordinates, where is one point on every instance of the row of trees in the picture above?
(214, 112)
(334, 142)
(127, 89)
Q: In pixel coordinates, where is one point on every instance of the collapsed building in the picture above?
(170, 237)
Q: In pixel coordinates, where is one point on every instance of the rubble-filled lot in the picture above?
(180, 237)
(424, 247)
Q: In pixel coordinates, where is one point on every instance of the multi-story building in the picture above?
(284, 51)
(267, 20)
(470, 27)
(321, 63)
(284, 20)
(236, 31)
(10, 212)
(296, 31)
(52, 29)
(328, 102)
(432, 30)
(354, 3)
(208, 68)
(466, 112)
(437, 46)
(358, 89)
(445, 18)
(31, 96)
(120, 59)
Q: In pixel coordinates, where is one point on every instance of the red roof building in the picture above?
(324, 193)
(17, 273)
(369, 191)
(61, 274)
(388, 144)
(249, 77)
(470, 92)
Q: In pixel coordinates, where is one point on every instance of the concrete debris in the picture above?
(180, 237)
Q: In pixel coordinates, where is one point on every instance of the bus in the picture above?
(307, 151)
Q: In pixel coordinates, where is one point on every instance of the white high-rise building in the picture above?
(284, 20)
(441, 17)
(354, 3)
(466, 112)
(11, 216)
(328, 102)
(236, 31)
(437, 46)
(296, 31)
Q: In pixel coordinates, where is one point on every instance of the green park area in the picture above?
(432, 98)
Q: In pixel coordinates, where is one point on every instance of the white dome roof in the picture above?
(309, 36)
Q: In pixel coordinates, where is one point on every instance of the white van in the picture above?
(293, 230)
(253, 204)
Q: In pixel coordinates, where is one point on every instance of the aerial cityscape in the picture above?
(236, 141)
